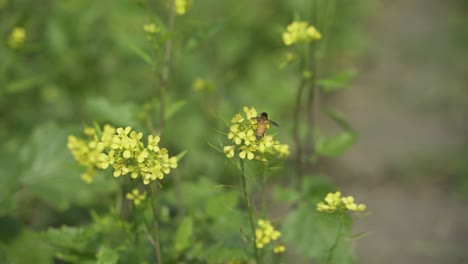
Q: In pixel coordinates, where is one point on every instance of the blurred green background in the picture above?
(80, 63)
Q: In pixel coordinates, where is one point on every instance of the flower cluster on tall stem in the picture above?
(243, 135)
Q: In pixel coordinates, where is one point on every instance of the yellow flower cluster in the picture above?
(299, 31)
(136, 196)
(243, 134)
(17, 37)
(124, 150)
(181, 6)
(334, 202)
(265, 234)
(151, 29)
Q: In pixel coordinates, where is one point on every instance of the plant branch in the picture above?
(165, 73)
(155, 240)
(248, 203)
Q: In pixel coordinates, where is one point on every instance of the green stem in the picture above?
(297, 119)
(337, 240)
(249, 210)
(157, 247)
(165, 73)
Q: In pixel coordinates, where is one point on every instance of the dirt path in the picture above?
(394, 107)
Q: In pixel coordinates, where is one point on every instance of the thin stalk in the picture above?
(165, 73)
(337, 240)
(313, 94)
(155, 209)
(248, 203)
(297, 119)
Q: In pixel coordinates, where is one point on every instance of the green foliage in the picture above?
(85, 62)
(314, 234)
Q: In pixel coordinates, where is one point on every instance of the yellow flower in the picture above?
(247, 152)
(249, 137)
(150, 28)
(299, 31)
(199, 84)
(279, 249)
(265, 233)
(153, 143)
(250, 112)
(236, 134)
(313, 33)
(334, 202)
(237, 119)
(136, 196)
(229, 150)
(181, 6)
(17, 37)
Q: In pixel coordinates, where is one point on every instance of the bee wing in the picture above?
(255, 118)
(273, 123)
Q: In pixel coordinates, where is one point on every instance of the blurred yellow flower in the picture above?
(299, 31)
(17, 37)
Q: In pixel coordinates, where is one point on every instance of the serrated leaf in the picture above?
(184, 234)
(335, 146)
(338, 81)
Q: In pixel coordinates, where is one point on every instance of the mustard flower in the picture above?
(245, 144)
(247, 152)
(279, 249)
(124, 151)
(181, 6)
(265, 234)
(299, 31)
(334, 202)
(136, 196)
(229, 150)
(151, 29)
(237, 119)
(17, 37)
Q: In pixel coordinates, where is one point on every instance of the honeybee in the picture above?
(262, 123)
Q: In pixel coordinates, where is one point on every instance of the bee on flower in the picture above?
(249, 137)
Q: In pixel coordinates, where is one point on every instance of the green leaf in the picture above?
(337, 82)
(360, 235)
(24, 84)
(184, 234)
(141, 53)
(28, 247)
(10, 168)
(173, 108)
(181, 155)
(286, 194)
(103, 111)
(335, 146)
(221, 204)
(107, 255)
(49, 172)
(339, 119)
(313, 234)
